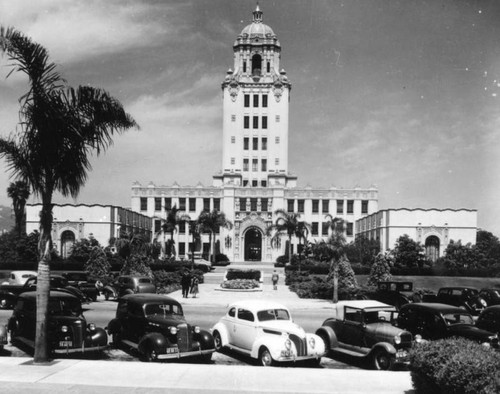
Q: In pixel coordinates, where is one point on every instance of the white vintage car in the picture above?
(265, 331)
(19, 277)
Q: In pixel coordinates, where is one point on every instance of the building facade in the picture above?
(75, 222)
(254, 181)
(432, 228)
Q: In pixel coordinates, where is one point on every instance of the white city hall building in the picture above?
(254, 181)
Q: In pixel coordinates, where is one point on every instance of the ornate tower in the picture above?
(256, 95)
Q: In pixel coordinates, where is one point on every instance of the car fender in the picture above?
(274, 343)
(206, 340)
(224, 335)
(3, 336)
(319, 347)
(7, 299)
(99, 337)
(111, 290)
(114, 326)
(328, 333)
(386, 346)
(153, 340)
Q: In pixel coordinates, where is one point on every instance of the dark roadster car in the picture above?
(461, 296)
(154, 325)
(128, 284)
(364, 329)
(83, 282)
(68, 331)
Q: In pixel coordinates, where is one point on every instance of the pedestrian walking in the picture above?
(275, 278)
(185, 283)
(194, 286)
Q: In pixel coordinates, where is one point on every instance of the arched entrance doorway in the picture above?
(432, 248)
(253, 244)
(67, 241)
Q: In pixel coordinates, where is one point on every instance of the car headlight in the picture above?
(91, 327)
(397, 339)
(288, 344)
(197, 329)
(173, 330)
(418, 338)
(486, 344)
(64, 328)
(312, 342)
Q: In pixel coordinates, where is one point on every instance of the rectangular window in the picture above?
(255, 122)
(277, 140)
(263, 204)
(253, 204)
(233, 118)
(326, 206)
(255, 165)
(182, 204)
(263, 183)
(264, 164)
(192, 204)
(300, 206)
(324, 229)
(206, 204)
(364, 206)
(245, 182)
(182, 228)
(315, 229)
(277, 162)
(217, 204)
(244, 67)
(350, 206)
(246, 100)
(264, 143)
(245, 164)
(157, 203)
(182, 249)
(157, 226)
(264, 100)
(246, 122)
(168, 203)
(255, 143)
(233, 160)
(315, 206)
(349, 230)
(246, 143)
(340, 206)
(268, 67)
(233, 139)
(277, 118)
(144, 204)
(264, 122)
(290, 205)
(255, 183)
(256, 100)
(243, 204)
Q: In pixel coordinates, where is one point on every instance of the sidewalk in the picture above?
(18, 375)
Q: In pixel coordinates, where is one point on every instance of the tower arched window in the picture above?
(67, 242)
(432, 248)
(256, 64)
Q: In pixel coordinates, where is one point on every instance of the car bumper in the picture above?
(294, 358)
(195, 353)
(80, 350)
(402, 357)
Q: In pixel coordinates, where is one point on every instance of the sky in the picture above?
(403, 95)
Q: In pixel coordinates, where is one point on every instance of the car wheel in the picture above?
(314, 362)
(117, 338)
(150, 355)
(265, 358)
(106, 295)
(382, 361)
(206, 358)
(217, 341)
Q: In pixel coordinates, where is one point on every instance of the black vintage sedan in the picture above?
(154, 325)
(489, 319)
(68, 331)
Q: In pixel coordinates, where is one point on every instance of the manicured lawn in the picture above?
(435, 282)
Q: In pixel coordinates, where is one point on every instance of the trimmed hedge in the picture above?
(240, 284)
(233, 273)
(455, 365)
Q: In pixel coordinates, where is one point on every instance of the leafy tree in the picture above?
(97, 264)
(286, 224)
(301, 232)
(60, 128)
(19, 192)
(337, 243)
(137, 252)
(381, 269)
(460, 256)
(212, 222)
(175, 218)
(408, 253)
(488, 248)
(321, 251)
(362, 250)
(81, 249)
(347, 277)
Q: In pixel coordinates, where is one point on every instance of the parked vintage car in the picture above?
(9, 293)
(490, 295)
(128, 284)
(489, 319)
(393, 293)
(461, 296)
(264, 330)
(3, 336)
(68, 331)
(19, 277)
(83, 282)
(438, 321)
(155, 326)
(363, 328)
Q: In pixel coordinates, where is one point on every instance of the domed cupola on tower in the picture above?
(256, 93)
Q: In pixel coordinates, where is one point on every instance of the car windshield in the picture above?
(457, 318)
(163, 309)
(65, 307)
(273, 314)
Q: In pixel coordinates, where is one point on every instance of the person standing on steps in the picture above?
(275, 279)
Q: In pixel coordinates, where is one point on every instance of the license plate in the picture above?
(402, 354)
(65, 343)
(171, 350)
(286, 353)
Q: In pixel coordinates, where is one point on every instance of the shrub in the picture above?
(455, 365)
(221, 257)
(243, 274)
(167, 282)
(240, 284)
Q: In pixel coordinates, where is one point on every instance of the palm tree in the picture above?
(211, 222)
(19, 191)
(175, 218)
(60, 128)
(194, 230)
(336, 243)
(302, 231)
(288, 224)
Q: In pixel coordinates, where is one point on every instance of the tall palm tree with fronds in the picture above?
(212, 222)
(175, 218)
(287, 224)
(302, 231)
(336, 243)
(19, 192)
(60, 128)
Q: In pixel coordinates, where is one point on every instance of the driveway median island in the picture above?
(240, 280)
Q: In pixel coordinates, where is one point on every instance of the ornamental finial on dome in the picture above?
(257, 15)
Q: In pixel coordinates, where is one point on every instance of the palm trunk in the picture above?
(162, 244)
(43, 284)
(290, 250)
(210, 251)
(335, 268)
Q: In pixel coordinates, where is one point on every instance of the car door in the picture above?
(244, 329)
(352, 328)
(136, 322)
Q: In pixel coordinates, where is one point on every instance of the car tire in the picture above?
(217, 341)
(106, 295)
(116, 338)
(149, 355)
(265, 358)
(206, 358)
(382, 361)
